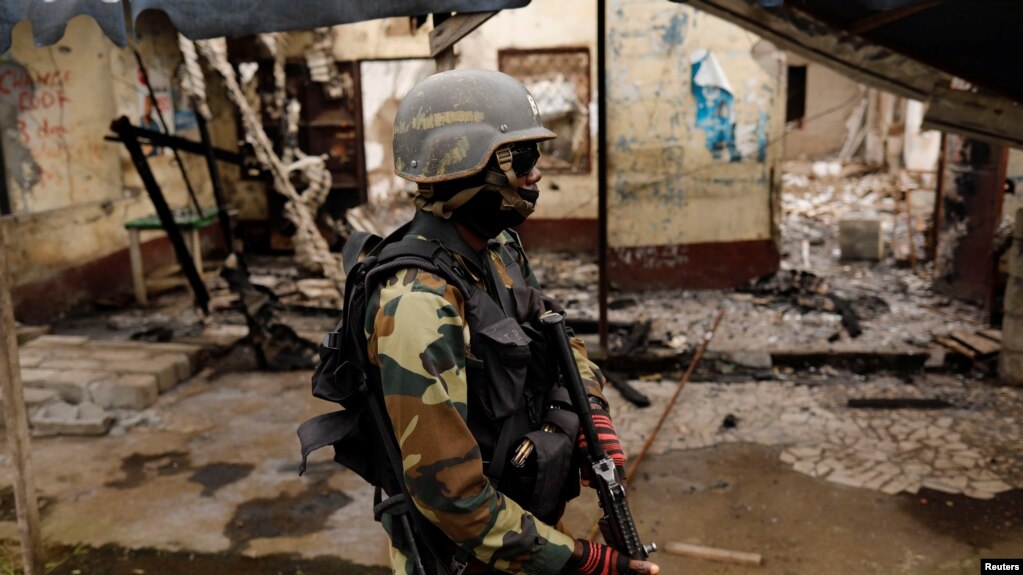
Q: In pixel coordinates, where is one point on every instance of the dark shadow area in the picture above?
(113, 560)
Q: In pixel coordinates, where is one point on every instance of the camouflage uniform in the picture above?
(418, 337)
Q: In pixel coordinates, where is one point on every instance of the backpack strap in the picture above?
(426, 255)
(359, 243)
(324, 430)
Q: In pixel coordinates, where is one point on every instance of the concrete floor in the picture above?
(209, 477)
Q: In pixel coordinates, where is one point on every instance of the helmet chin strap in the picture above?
(506, 183)
(424, 200)
(510, 187)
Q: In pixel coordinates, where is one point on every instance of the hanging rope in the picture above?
(311, 249)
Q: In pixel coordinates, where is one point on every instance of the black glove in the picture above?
(591, 558)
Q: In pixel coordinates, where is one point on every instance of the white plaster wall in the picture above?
(546, 24)
(386, 39)
(830, 99)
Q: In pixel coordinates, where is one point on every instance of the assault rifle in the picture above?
(617, 525)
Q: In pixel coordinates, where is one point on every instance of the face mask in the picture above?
(483, 214)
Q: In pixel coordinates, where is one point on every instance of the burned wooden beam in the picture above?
(636, 338)
(122, 126)
(583, 325)
(176, 142)
(631, 394)
(855, 361)
(449, 29)
(898, 403)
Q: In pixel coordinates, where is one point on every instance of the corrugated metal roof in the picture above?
(200, 19)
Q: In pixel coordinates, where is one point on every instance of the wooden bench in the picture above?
(190, 223)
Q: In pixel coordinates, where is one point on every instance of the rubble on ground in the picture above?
(811, 302)
(969, 448)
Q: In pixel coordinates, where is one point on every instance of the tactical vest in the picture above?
(512, 393)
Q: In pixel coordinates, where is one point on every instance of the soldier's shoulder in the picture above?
(415, 283)
(414, 279)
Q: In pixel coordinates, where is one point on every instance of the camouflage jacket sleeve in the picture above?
(415, 330)
(593, 378)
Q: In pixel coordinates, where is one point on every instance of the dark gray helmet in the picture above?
(449, 125)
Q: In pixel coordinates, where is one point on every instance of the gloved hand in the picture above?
(591, 558)
(608, 438)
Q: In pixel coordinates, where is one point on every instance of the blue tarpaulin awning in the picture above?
(201, 19)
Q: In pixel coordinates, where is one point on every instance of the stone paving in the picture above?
(80, 386)
(971, 448)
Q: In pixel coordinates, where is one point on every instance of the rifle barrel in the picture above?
(554, 323)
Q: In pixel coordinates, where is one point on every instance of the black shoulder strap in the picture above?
(423, 254)
(423, 249)
(358, 243)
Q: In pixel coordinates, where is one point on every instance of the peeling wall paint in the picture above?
(20, 166)
(56, 105)
(715, 113)
(690, 160)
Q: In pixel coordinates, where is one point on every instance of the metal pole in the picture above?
(163, 124)
(218, 188)
(5, 200)
(602, 173)
(16, 421)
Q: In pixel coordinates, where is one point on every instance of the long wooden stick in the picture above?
(667, 410)
(713, 554)
(678, 391)
(16, 422)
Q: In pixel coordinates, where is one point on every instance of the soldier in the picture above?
(463, 374)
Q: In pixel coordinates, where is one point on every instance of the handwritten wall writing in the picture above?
(35, 90)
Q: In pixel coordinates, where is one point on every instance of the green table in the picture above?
(189, 222)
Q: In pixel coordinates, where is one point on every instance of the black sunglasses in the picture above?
(524, 158)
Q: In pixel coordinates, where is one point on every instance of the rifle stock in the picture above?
(617, 524)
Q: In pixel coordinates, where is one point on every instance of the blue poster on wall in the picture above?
(715, 105)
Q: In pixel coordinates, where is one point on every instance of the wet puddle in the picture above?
(215, 476)
(285, 515)
(976, 522)
(139, 468)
